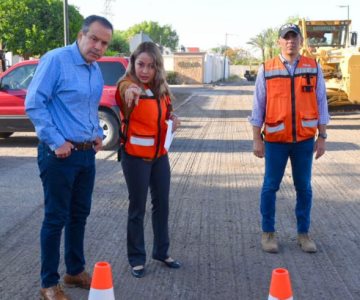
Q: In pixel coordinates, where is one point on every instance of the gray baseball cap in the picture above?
(287, 28)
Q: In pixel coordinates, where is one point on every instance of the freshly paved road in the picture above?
(214, 213)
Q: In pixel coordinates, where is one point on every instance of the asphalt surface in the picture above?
(214, 212)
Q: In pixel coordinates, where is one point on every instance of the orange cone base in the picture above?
(101, 294)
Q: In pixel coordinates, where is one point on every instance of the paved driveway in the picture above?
(214, 217)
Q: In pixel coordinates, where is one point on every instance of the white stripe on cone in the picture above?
(101, 294)
(273, 298)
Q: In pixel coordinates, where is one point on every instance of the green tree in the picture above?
(162, 35)
(231, 55)
(293, 19)
(221, 49)
(244, 57)
(259, 42)
(266, 41)
(119, 44)
(271, 38)
(33, 27)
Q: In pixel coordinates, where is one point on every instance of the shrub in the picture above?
(172, 77)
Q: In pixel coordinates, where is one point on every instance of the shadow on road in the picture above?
(19, 141)
(343, 127)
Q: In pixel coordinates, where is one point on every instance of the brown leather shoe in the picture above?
(82, 280)
(53, 293)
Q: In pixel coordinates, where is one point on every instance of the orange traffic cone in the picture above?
(280, 286)
(101, 283)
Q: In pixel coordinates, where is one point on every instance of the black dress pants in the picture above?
(140, 175)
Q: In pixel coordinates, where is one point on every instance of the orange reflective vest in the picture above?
(144, 130)
(291, 105)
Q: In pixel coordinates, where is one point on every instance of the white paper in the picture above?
(169, 135)
(149, 93)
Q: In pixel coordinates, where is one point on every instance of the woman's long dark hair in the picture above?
(159, 86)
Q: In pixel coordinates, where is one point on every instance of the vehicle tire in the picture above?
(111, 129)
(4, 135)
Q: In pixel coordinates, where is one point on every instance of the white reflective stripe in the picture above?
(305, 71)
(96, 294)
(276, 73)
(142, 141)
(309, 123)
(273, 298)
(149, 93)
(272, 129)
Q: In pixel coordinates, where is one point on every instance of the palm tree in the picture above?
(266, 41)
(271, 37)
(259, 42)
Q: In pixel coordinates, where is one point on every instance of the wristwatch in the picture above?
(322, 135)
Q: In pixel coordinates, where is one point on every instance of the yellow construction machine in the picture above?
(333, 45)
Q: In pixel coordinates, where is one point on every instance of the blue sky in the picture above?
(206, 23)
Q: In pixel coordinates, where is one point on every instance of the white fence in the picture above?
(215, 68)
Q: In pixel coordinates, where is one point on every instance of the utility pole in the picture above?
(225, 57)
(108, 12)
(66, 23)
(226, 35)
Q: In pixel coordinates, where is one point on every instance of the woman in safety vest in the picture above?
(144, 98)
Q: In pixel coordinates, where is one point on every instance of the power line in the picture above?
(108, 12)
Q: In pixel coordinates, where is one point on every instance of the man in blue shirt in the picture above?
(62, 102)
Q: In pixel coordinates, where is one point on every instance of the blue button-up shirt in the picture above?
(63, 98)
(259, 103)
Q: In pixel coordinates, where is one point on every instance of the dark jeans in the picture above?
(140, 175)
(68, 184)
(276, 157)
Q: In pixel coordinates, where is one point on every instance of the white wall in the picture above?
(213, 66)
(12, 59)
(169, 62)
(239, 70)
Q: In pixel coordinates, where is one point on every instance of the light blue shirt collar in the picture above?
(77, 56)
(283, 59)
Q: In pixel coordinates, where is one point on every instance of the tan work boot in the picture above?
(269, 242)
(306, 243)
(82, 280)
(53, 293)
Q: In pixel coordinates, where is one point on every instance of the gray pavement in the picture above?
(214, 212)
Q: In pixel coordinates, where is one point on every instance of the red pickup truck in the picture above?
(15, 81)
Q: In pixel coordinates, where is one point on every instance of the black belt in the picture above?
(82, 146)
